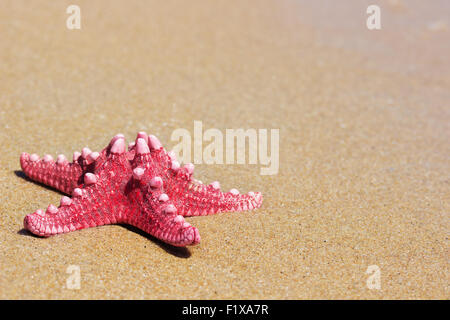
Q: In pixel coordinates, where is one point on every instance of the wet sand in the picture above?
(364, 144)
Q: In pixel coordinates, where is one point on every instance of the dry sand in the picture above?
(364, 143)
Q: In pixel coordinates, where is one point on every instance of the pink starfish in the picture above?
(144, 187)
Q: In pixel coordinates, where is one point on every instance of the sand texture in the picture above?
(364, 120)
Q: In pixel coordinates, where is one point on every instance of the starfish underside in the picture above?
(143, 186)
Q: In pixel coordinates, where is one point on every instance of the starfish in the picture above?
(143, 186)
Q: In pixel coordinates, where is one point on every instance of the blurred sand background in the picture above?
(364, 122)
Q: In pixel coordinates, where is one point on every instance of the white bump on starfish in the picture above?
(92, 157)
(143, 135)
(90, 178)
(61, 159)
(186, 225)
(48, 158)
(142, 146)
(85, 152)
(189, 168)
(52, 209)
(175, 165)
(234, 191)
(138, 173)
(76, 155)
(40, 212)
(163, 197)
(118, 146)
(251, 194)
(65, 201)
(178, 219)
(215, 185)
(156, 182)
(77, 192)
(154, 142)
(170, 209)
(115, 138)
(34, 157)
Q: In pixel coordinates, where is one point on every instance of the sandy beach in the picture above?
(364, 153)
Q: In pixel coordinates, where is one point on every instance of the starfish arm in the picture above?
(62, 175)
(190, 197)
(195, 199)
(88, 208)
(168, 226)
(100, 201)
(158, 215)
